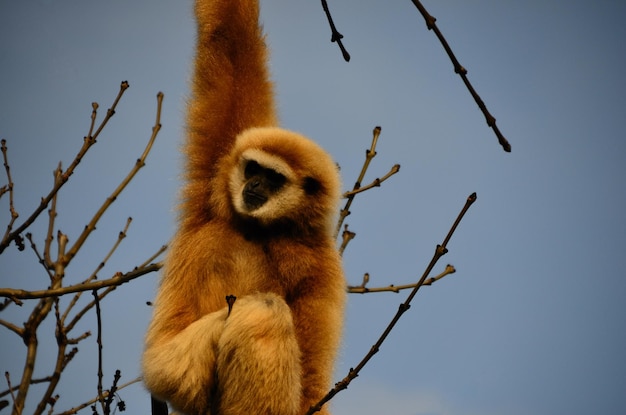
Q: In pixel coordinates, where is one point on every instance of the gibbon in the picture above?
(256, 222)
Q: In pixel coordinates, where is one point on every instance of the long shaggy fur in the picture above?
(273, 353)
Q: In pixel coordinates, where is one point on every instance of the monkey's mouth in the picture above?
(253, 200)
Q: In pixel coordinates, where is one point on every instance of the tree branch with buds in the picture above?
(440, 251)
(56, 266)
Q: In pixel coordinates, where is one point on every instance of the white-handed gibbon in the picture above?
(256, 221)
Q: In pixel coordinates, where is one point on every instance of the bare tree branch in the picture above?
(9, 188)
(459, 69)
(369, 155)
(99, 342)
(88, 141)
(376, 183)
(116, 280)
(52, 214)
(138, 165)
(336, 36)
(363, 289)
(40, 259)
(346, 236)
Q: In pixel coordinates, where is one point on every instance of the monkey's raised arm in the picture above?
(231, 90)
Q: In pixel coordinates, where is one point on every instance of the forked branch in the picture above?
(8, 188)
(364, 289)
(369, 155)
(48, 300)
(89, 140)
(138, 165)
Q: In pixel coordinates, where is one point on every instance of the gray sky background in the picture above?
(533, 322)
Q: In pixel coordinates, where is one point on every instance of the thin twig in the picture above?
(459, 69)
(375, 183)
(12, 327)
(363, 289)
(94, 114)
(354, 372)
(40, 259)
(59, 265)
(9, 188)
(99, 342)
(162, 249)
(346, 236)
(6, 187)
(52, 213)
(336, 36)
(8, 301)
(7, 375)
(81, 314)
(76, 340)
(32, 382)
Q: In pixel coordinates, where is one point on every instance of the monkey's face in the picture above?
(264, 187)
(261, 183)
(277, 176)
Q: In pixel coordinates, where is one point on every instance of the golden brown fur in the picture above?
(274, 353)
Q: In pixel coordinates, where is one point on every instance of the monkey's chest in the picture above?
(252, 269)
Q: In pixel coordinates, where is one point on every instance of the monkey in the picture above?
(256, 222)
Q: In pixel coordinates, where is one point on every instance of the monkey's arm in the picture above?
(318, 317)
(231, 90)
(180, 368)
(259, 359)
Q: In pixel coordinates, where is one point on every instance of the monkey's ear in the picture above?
(311, 186)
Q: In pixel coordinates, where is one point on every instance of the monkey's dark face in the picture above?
(263, 186)
(261, 183)
(278, 177)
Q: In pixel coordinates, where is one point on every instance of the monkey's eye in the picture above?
(275, 179)
(252, 169)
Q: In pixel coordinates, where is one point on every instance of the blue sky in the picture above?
(533, 322)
